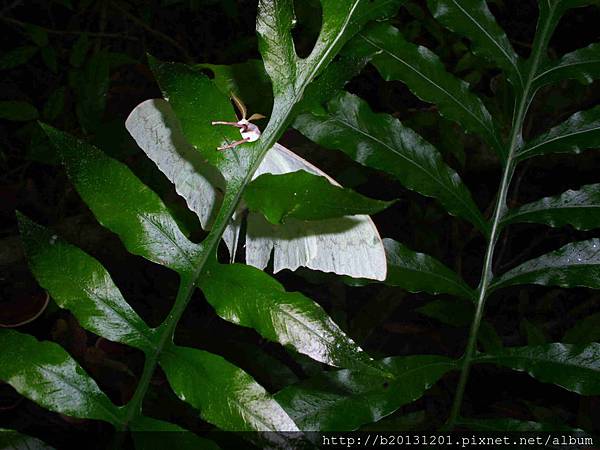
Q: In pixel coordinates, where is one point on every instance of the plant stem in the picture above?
(233, 195)
(280, 115)
(500, 208)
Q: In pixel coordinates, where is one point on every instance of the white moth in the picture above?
(347, 245)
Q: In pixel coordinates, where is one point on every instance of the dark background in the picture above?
(88, 89)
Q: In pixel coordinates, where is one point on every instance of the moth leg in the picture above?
(234, 144)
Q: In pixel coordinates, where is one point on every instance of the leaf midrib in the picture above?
(396, 380)
(440, 88)
(456, 283)
(479, 222)
(562, 66)
(75, 387)
(136, 327)
(502, 50)
(231, 397)
(487, 358)
(170, 238)
(530, 149)
(517, 213)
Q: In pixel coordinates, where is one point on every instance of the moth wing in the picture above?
(157, 131)
(348, 245)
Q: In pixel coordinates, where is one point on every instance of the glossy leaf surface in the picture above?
(123, 204)
(575, 264)
(305, 196)
(345, 399)
(153, 434)
(579, 132)
(225, 395)
(473, 20)
(574, 367)
(382, 142)
(46, 374)
(582, 65)
(249, 297)
(418, 272)
(581, 209)
(79, 283)
(425, 75)
(274, 29)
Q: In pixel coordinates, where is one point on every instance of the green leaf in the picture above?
(341, 20)
(17, 111)
(584, 331)
(249, 297)
(425, 75)
(418, 272)
(118, 59)
(353, 58)
(473, 20)
(579, 132)
(304, 196)
(13, 440)
(575, 264)
(153, 434)
(346, 399)
(79, 283)
(123, 204)
(79, 50)
(550, 13)
(581, 209)
(582, 65)
(37, 34)
(90, 84)
(17, 56)
(382, 142)
(274, 30)
(225, 395)
(574, 367)
(46, 374)
(197, 102)
(55, 104)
